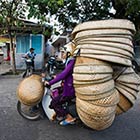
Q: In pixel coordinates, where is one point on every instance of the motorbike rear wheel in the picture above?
(29, 112)
(28, 72)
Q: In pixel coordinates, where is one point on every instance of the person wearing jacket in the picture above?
(67, 94)
(31, 55)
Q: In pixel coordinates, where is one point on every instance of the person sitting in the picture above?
(68, 91)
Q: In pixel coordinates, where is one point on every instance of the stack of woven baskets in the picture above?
(128, 84)
(30, 90)
(104, 81)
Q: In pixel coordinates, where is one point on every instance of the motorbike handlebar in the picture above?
(48, 86)
(47, 79)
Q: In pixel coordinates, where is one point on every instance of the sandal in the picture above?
(64, 122)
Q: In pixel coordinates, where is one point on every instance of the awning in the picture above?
(4, 39)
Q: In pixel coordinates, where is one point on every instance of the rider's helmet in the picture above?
(69, 48)
(31, 49)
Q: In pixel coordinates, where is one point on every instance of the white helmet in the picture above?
(70, 47)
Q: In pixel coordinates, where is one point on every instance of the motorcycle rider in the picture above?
(31, 55)
(54, 64)
(68, 89)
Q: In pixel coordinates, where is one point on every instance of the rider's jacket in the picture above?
(66, 76)
(30, 55)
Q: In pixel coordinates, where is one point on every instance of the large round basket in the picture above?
(30, 90)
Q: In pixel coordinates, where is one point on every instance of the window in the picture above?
(22, 43)
(37, 43)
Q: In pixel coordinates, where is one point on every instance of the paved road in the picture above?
(14, 127)
(4, 68)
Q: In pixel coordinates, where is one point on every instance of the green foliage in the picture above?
(72, 12)
(47, 33)
(128, 9)
(133, 7)
(40, 8)
(10, 13)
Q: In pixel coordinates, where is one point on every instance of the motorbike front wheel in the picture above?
(51, 70)
(29, 112)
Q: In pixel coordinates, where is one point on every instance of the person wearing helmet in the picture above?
(68, 90)
(31, 55)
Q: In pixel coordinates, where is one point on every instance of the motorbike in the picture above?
(29, 68)
(42, 109)
(54, 65)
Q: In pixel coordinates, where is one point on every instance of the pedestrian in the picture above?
(49, 50)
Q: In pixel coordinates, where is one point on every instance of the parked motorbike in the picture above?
(54, 65)
(42, 108)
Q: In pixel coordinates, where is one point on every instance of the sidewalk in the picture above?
(4, 68)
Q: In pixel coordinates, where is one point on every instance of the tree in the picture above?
(10, 13)
(71, 12)
(129, 9)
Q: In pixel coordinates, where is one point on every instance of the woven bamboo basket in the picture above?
(78, 83)
(129, 96)
(134, 87)
(123, 105)
(130, 91)
(35, 76)
(109, 44)
(127, 100)
(30, 90)
(104, 32)
(127, 83)
(110, 100)
(104, 24)
(114, 40)
(103, 52)
(129, 78)
(106, 48)
(90, 77)
(119, 70)
(110, 58)
(86, 60)
(91, 97)
(96, 88)
(95, 117)
(98, 98)
(91, 68)
(92, 109)
(96, 92)
(96, 122)
(119, 38)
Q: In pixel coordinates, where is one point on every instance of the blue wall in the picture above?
(37, 43)
(26, 41)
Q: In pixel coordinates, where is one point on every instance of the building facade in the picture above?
(23, 43)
